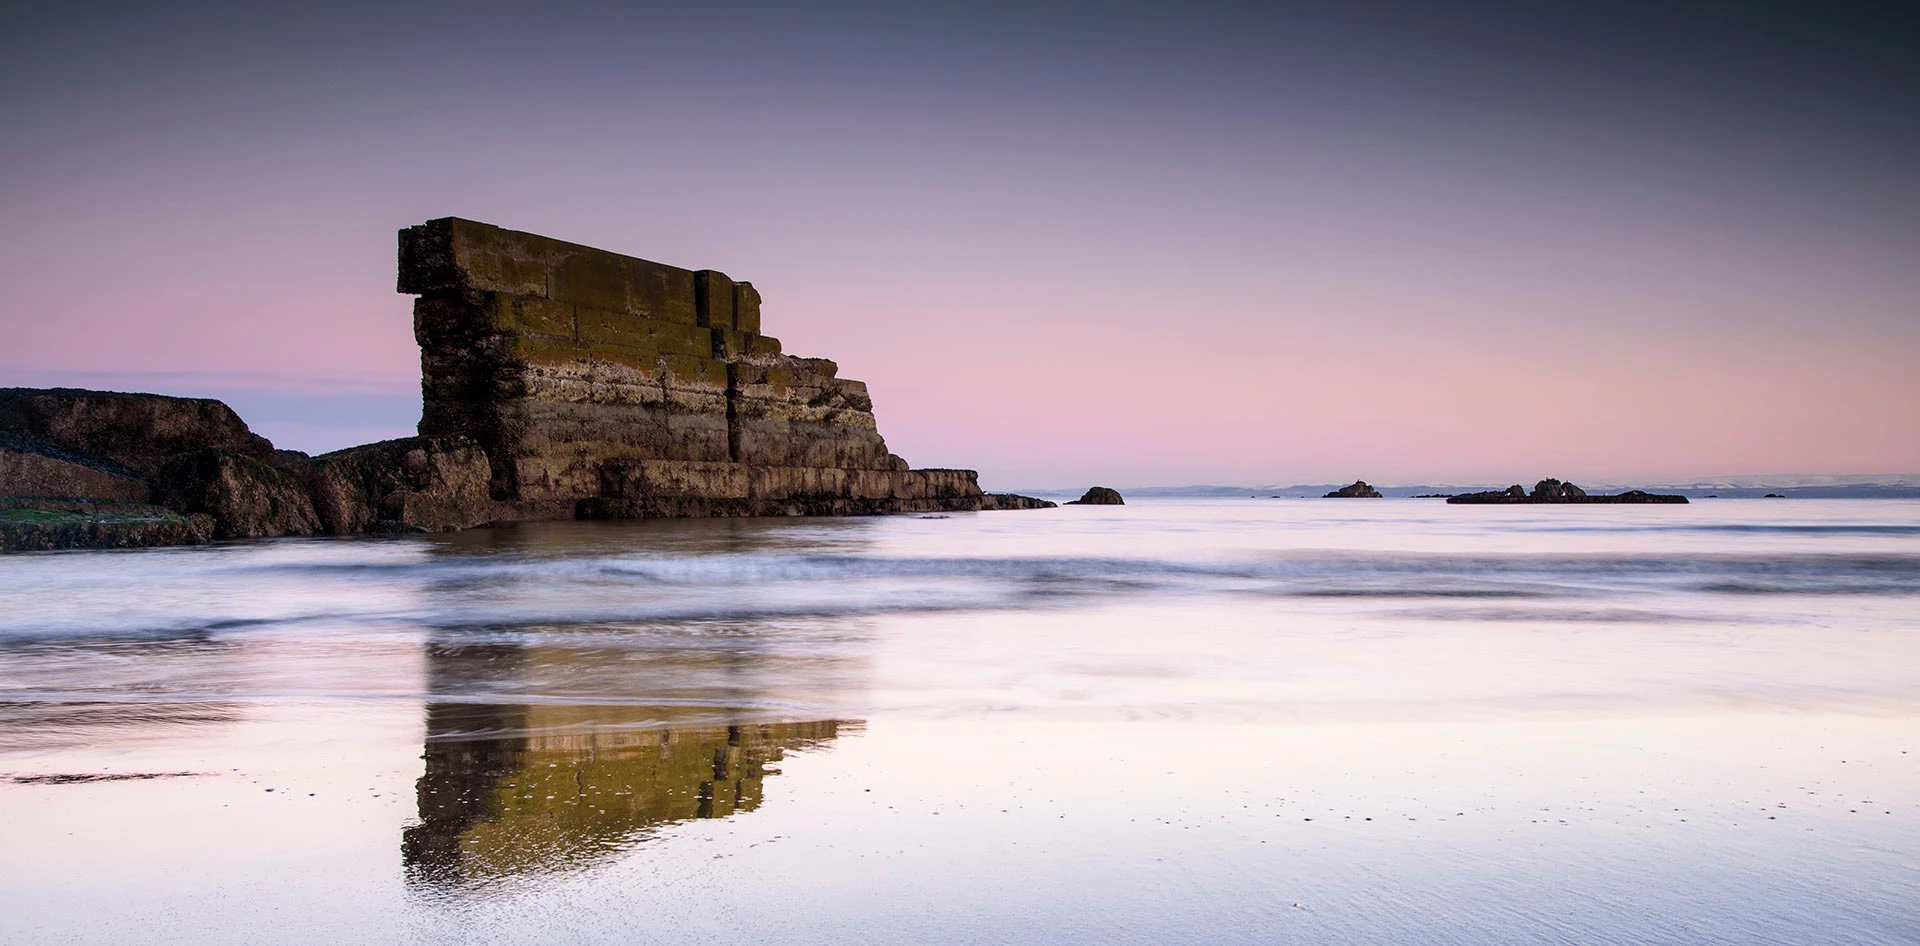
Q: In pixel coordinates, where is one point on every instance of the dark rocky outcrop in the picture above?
(32, 468)
(246, 498)
(1512, 494)
(138, 432)
(1637, 496)
(413, 484)
(991, 501)
(1358, 490)
(1555, 491)
(1099, 496)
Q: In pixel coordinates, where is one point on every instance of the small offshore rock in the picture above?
(993, 501)
(1358, 490)
(1099, 496)
(1556, 492)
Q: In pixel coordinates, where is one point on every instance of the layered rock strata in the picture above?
(136, 433)
(605, 386)
(36, 468)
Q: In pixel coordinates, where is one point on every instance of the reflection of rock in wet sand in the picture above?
(517, 788)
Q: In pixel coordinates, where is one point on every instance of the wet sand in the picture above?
(1239, 721)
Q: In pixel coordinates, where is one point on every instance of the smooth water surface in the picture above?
(1259, 721)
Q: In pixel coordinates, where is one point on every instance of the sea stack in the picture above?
(558, 381)
(606, 386)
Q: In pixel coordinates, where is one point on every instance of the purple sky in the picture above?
(1411, 243)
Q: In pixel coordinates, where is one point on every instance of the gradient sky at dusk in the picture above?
(1064, 244)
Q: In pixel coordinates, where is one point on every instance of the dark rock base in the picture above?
(39, 525)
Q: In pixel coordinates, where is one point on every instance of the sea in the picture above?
(1174, 721)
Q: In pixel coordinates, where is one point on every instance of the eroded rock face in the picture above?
(1554, 491)
(246, 498)
(433, 484)
(1099, 496)
(32, 468)
(601, 385)
(139, 432)
(1358, 490)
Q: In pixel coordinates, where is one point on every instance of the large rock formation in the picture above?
(558, 381)
(1554, 491)
(606, 386)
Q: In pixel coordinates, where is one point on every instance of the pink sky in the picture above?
(1053, 274)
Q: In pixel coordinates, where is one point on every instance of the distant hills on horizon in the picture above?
(1803, 486)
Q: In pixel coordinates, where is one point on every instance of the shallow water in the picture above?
(1244, 721)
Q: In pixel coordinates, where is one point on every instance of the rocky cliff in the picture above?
(557, 381)
(605, 386)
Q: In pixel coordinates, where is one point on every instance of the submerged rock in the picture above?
(1099, 496)
(1358, 490)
